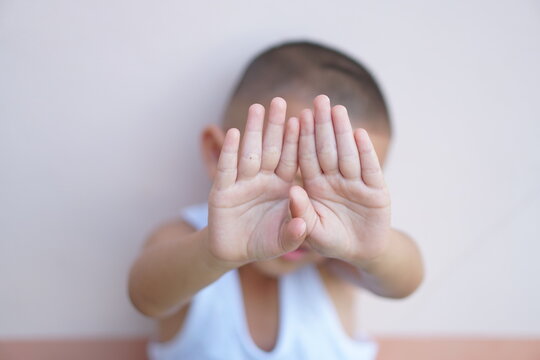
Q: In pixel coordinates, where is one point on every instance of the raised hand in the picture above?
(344, 200)
(248, 211)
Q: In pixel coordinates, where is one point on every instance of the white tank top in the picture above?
(215, 326)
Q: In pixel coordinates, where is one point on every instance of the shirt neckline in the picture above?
(283, 317)
(359, 338)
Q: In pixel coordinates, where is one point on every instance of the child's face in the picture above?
(212, 140)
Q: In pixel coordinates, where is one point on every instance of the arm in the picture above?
(346, 205)
(248, 217)
(171, 268)
(396, 273)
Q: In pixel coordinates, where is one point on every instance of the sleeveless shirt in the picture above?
(215, 326)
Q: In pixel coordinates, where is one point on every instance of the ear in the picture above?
(212, 138)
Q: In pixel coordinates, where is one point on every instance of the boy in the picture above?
(288, 196)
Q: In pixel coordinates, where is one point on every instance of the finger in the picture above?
(228, 159)
(250, 158)
(293, 234)
(301, 207)
(370, 168)
(273, 136)
(307, 153)
(348, 159)
(288, 163)
(324, 135)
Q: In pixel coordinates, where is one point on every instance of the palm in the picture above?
(347, 219)
(348, 200)
(248, 206)
(252, 213)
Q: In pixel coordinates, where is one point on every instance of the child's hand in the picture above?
(248, 205)
(344, 202)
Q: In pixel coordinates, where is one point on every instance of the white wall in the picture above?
(100, 102)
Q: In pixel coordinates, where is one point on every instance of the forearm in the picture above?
(396, 273)
(168, 273)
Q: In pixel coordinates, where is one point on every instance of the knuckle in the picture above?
(226, 169)
(326, 148)
(307, 156)
(288, 162)
(271, 151)
(371, 170)
(366, 150)
(349, 158)
(251, 156)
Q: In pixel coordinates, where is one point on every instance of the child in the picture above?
(298, 218)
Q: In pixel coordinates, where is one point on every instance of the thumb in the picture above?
(301, 207)
(293, 233)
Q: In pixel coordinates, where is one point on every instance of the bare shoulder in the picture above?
(343, 294)
(169, 326)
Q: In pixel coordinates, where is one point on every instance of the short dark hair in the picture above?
(307, 69)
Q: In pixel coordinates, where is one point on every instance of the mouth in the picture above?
(296, 255)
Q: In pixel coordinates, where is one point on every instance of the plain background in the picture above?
(101, 103)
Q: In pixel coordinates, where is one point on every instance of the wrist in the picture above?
(377, 255)
(213, 261)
